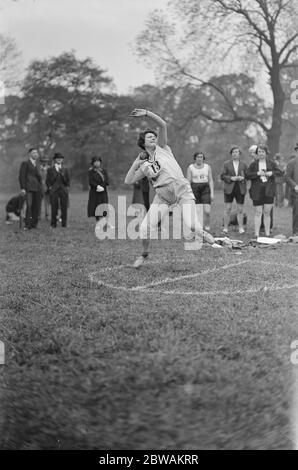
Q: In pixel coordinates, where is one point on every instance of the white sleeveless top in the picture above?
(163, 168)
(199, 175)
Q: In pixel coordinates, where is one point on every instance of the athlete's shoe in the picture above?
(208, 238)
(216, 245)
(139, 261)
(241, 230)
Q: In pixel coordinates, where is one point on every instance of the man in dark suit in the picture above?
(292, 181)
(233, 176)
(30, 182)
(57, 181)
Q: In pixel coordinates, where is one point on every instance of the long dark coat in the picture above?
(96, 198)
(30, 177)
(256, 183)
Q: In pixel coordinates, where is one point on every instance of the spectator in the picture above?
(57, 181)
(233, 176)
(252, 156)
(279, 181)
(14, 208)
(262, 173)
(288, 190)
(292, 181)
(252, 152)
(199, 174)
(98, 182)
(30, 183)
(43, 168)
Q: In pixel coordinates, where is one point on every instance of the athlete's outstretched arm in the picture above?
(211, 183)
(162, 134)
(135, 173)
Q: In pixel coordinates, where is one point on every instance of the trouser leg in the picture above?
(54, 209)
(28, 217)
(36, 199)
(63, 197)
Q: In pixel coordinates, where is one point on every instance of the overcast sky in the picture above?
(101, 29)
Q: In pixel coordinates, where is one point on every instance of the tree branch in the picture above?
(241, 11)
(262, 54)
(236, 119)
(291, 39)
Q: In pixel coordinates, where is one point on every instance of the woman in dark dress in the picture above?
(98, 182)
(262, 173)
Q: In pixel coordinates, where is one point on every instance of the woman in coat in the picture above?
(98, 182)
(262, 174)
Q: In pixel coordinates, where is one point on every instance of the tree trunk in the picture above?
(274, 133)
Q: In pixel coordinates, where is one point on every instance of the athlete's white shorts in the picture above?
(175, 192)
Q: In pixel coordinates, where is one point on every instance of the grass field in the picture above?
(199, 358)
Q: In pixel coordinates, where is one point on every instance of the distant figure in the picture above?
(288, 190)
(262, 173)
(252, 152)
(45, 198)
(98, 182)
(57, 181)
(292, 181)
(14, 208)
(252, 156)
(233, 176)
(280, 181)
(199, 174)
(30, 183)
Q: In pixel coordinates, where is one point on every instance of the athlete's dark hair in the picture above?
(141, 138)
(234, 148)
(199, 153)
(95, 159)
(262, 147)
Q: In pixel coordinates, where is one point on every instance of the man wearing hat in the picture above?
(43, 169)
(292, 180)
(57, 181)
(30, 183)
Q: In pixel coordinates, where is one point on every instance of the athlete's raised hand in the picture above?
(138, 112)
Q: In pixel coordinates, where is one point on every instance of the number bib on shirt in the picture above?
(152, 169)
(203, 178)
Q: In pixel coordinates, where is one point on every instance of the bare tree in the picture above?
(199, 39)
